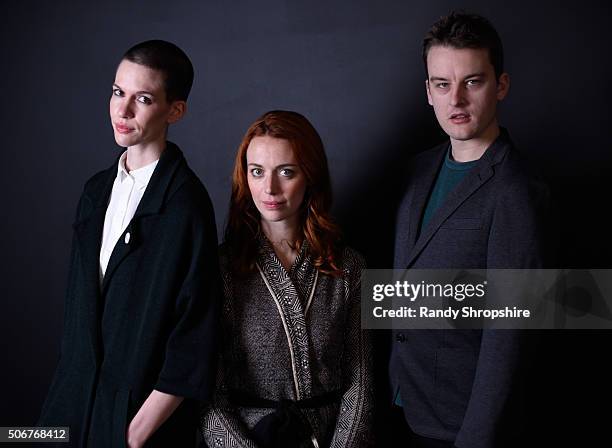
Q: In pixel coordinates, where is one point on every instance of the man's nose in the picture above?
(457, 95)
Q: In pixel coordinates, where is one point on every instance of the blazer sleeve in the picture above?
(354, 424)
(516, 241)
(191, 348)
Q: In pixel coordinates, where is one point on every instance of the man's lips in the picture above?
(459, 118)
(123, 129)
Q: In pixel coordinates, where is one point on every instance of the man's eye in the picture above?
(473, 82)
(144, 99)
(117, 92)
(442, 85)
(256, 172)
(286, 172)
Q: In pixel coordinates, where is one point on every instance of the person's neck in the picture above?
(474, 148)
(282, 234)
(142, 155)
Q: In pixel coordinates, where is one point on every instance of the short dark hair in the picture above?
(168, 59)
(463, 30)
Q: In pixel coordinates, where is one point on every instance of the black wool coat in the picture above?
(151, 324)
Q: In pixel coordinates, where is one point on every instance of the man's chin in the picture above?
(460, 133)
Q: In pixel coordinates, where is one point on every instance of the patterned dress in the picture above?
(293, 336)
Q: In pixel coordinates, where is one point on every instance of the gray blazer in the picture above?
(460, 385)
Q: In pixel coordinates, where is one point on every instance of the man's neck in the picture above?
(474, 148)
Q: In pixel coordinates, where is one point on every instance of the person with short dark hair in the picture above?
(471, 203)
(139, 342)
(295, 369)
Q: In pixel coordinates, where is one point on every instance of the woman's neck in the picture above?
(141, 155)
(283, 236)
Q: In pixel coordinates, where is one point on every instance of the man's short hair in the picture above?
(462, 30)
(168, 59)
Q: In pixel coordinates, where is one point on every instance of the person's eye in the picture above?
(256, 172)
(144, 100)
(117, 92)
(473, 82)
(287, 172)
(442, 85)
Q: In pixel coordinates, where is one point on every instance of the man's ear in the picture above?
(503, 85)
(429, 100)
(177, 110)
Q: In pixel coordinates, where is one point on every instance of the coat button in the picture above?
(400, 337)
(127, 238)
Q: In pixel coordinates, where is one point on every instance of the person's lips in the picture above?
(272, 205)
(459, 118)
(123, 129)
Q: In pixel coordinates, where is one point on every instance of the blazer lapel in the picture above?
(472, 182)
(423, 185)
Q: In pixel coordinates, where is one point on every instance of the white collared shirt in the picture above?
(128, 189)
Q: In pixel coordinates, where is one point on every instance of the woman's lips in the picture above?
(122, 129)
(272, 205)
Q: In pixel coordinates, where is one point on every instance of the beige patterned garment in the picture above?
(293, 335)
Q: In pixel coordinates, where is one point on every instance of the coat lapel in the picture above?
(88, 229)
(472, 182)
(151, 203)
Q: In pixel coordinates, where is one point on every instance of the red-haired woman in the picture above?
(295, 366)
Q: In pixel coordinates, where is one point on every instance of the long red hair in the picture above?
(317, 228)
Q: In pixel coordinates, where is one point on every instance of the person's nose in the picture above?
(124, 108)
(271, 186)
(457, 95)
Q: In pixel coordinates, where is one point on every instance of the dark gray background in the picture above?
(354, 68)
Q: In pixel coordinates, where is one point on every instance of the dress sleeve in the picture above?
(353, 427)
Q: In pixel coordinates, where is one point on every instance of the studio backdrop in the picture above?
(354, 68)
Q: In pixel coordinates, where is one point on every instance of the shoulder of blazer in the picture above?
(429, 156)
(498, 151)
(512, 167)
(422, 164)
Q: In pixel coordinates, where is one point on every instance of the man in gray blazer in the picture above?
(470, 203)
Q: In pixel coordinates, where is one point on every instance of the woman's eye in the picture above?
(256, 172)
(144, 99)
(286, 172)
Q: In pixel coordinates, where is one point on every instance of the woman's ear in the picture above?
(177, 111)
